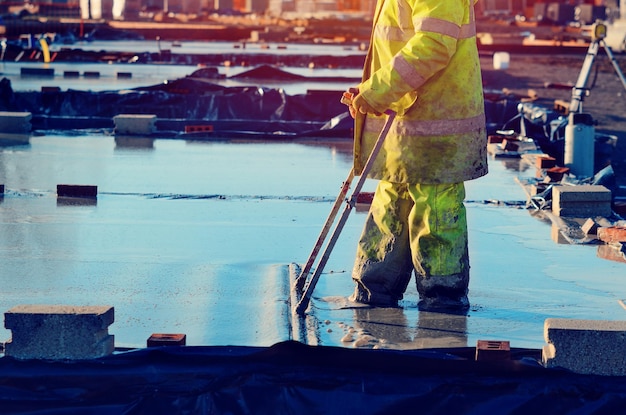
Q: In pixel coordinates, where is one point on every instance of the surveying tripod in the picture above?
(580, 90)
(579, 154)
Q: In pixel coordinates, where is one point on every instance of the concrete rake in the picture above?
(302, 287)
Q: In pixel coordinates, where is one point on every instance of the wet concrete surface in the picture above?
(198, 238)
(519, 277)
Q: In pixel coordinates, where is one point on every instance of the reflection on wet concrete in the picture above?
(612, 252)
(77, 201)
(389, 328)
(514, 164)
(133, 142)
(14, 139)
(380, 327)
(340, 147)
(193, 237)
(441, 330)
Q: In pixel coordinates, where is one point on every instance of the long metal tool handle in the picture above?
(301, 280)
(310, 286)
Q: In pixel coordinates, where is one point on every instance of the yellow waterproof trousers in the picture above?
(412, 227)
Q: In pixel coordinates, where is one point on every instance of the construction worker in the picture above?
(423, 64)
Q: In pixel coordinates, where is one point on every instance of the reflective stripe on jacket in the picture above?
(423, 63)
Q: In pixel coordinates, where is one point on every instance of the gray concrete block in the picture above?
(37, 72)
(583, 193)
(59, 332)
(134, 124)
(77, 190)
(586, 346)
(15, 122)
(581, 201)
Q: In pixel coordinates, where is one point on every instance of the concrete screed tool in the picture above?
(302, 285)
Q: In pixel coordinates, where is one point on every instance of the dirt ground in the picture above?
(606, 101)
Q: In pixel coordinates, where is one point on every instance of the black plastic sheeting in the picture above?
(187, 98)
(194, 98)
(292, 378)
(256, 112)
(264, 72)
(186, 101)
(197, 99)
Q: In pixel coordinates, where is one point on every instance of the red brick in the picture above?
(166, 339)
(557, 173)
(198, 128)
(612, 234)
(545, 162)
(365, 198)
(493, 350)
(509, 145)
(495, 139)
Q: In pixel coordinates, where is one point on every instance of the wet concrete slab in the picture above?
(519, 278)
(198, 238)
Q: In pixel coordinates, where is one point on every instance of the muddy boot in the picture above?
(443, 293)
(377, 298)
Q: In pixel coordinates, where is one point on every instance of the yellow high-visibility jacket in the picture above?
(423, 63)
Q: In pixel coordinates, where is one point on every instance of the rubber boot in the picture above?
(383, 266)
(443, 293)
(380, 284)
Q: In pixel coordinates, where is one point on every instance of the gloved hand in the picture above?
(347, 98)
(361, 105)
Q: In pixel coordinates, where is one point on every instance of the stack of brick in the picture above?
(15, 122)
(135, 124)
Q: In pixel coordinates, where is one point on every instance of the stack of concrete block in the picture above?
(15, 122)
(586, 346)
(134, 124)
(581, 201)
(59, 332)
